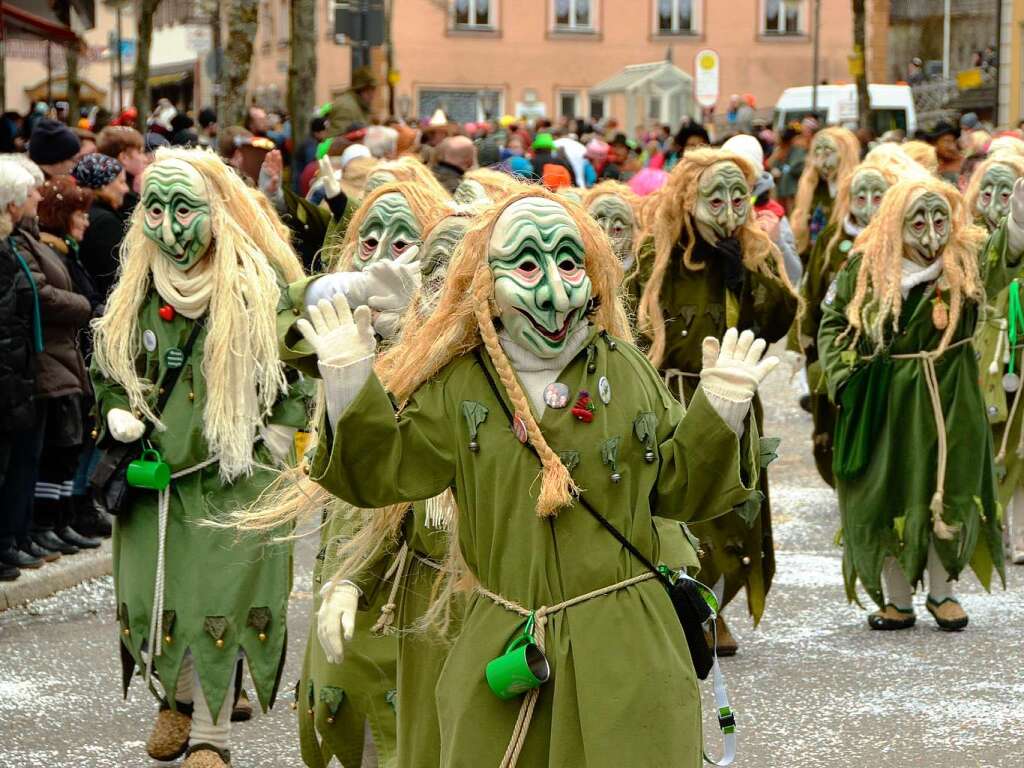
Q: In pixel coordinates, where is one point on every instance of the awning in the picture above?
(88, 93)
(169, 78)
(663, 74)
(36, 19)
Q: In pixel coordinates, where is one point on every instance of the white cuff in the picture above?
(328, 286)
(279, 440)
(732, 412)
(330, 586)
(343, 382)
(1015, 235)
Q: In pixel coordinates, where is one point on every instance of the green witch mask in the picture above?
(926, 227)
(826, 157)
(723, 201)
(995, 194)
(866, 191)
(470, 192)
(387, 231)
(541, 288)
(616, 218)
(177, 212)
(435, 254)
(378, 179)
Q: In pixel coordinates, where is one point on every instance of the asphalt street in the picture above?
(812, 685)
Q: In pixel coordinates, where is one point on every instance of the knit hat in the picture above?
(96, 171)
(556, 176)
(544, 141)
(519, 166)
(748, 147)
(52, 142)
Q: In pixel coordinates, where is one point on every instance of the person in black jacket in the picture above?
(20, 340)
(99, 249)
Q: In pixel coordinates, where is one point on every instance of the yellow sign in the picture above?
(968, 78)
(708, 60)
(393, 77)
(855, 64)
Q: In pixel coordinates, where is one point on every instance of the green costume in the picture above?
(698, 469)
(237, 600)
(821, 213)
(822, 267)
(738, 546)
(338, 701)
(886, 506)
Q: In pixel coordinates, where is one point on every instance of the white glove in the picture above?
(395, 282)
(331, 182)
(279, 440)
(336, 619)
(123, 426)
(338, 336)
(1015, 221)
(732, 372)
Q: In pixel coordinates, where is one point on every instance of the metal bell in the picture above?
(591, 367)
(612, 344)
(616, 477)
(649, 456)
(745, 560)
(474, 446)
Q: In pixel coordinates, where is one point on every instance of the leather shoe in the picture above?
(8, 572)
(15, 557)
(89, 521)
(36, 550)
(51, 540)
(71, 536)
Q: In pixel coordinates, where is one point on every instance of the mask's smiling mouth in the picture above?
(556, 336)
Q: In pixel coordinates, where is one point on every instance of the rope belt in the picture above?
(156, 619)
(674, 374)
(540, 616)
(931, 378)
(396, 571)
(425, 560)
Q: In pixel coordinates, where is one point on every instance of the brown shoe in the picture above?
(169, 738)
(891, 618)
(948, 614)
(207, 756)
(727, 645)
(242, 711)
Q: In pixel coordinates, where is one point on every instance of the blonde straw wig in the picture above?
(497, 184)
(247, 259)
(410, 169)
(674, 223)
(923, 153)
(849, 155)
(877, 301)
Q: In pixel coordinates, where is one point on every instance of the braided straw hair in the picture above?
(849, 155)
(877, 300)
(249, 253)
(924, 153)
(457, 326)
(618, 189)
(497, 184)
(427, 207)
(1010, 159)
(674, 223)
(408, 169)
(887, 159)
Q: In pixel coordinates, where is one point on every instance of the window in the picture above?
(284, 23)
(598, 108)
(267, 22)
(573, 16)
(654, 107)
(676, 17)
(461, 105)
(472, 14)
(783, 17)
(569, 104)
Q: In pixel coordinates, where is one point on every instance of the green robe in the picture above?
(885, 509)
(224, 591)
(736, 547)
(584, 717)
(821, 212)
(337, 701)
(822, 268)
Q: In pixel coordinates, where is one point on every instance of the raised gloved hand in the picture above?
(395, 282)
(123, 426)
(279, 440)
(1015, 221)
(336, 619)
(732, 372)
(331, 182)
(338, 335)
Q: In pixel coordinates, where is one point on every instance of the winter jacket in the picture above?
(18, 342)
(784, 238)
(82, 282)
(61, 369)
(449, 175)
(100, 246)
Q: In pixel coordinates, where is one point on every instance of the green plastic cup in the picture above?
(520, 668)
(149, 471)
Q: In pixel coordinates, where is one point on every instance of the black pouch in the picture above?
(109, 478)
(692, 611)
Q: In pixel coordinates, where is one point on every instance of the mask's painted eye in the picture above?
(156, 210)
(940, 224)
(399, 246)
(715, 202)
(919, 226)
(528, 267)
(861, 199)
(567, 265)
(878, 198)
(370, 245)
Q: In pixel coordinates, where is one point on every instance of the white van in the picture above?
(892, 106)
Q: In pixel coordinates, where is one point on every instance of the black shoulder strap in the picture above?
(605, 523)
(171, 377)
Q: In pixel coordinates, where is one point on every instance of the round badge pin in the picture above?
(174, 358)
(556, 395)
(519, 428)
(149, 340)
(845, 246)
(604, 390)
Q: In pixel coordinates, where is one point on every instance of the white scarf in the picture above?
(914, 274)
(535, 372)
(851, 227)
(188, 292)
